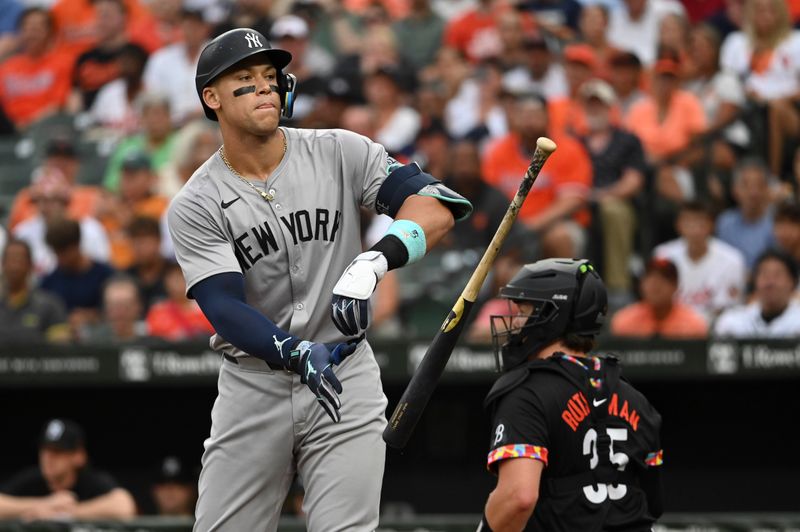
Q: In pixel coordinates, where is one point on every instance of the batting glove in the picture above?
(314, 363)
(350, 303)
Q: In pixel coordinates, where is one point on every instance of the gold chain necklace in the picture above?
(263, 193)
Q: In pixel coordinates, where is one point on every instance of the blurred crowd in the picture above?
(677, 170)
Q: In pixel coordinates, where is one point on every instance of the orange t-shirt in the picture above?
(684, 118)
(638, 320)
(82, 203)
(31, 85)
(168, 320)
(75, 22)
(569, 169)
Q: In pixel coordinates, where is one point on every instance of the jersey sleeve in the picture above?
(201, 246)
(370, 164)
(520, 429)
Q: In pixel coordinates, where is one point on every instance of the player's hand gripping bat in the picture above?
(423, 382)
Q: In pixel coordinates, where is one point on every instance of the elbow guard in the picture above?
(408, 180)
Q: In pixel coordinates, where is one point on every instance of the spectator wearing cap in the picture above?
(421, 33)
(397, 124)
(171, 69)
(61, 155)
(113, 110)
(619, 170)
(634, 26)
(626, 80)
(122, 314)
(786, 229)
(722, 96)
(77, 280)
(563, 186)
(712, 273)
(174, 488)
(177, 318)
(100, 64)
(27, 314)
(659, 314)
(156, 139)
(667, 121)
(774, 312)
(566, 113)
(64, 485)
(136, 198)
(541, 73)
(51, 194)
(748, 226)
(35, 82)
(766, 55)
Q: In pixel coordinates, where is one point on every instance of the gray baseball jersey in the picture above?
(293, 249)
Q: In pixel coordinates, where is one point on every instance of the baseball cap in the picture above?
(62, 434)
(289, 26)
(172, 469)
(597, 88)
(60, 147)
(580, 53)
(137, 160)
(663, 267)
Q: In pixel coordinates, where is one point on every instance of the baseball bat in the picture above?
(423, 382)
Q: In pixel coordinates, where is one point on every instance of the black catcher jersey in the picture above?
(596, 434)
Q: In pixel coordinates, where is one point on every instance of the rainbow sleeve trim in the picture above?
(519, 450)
(655, 459)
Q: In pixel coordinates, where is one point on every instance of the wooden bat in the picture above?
(423, 382)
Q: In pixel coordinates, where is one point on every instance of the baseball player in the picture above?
(267, 234)
(574, 446)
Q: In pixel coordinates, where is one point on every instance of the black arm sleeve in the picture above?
(222, 299)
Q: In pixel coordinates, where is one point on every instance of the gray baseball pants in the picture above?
(266, 426)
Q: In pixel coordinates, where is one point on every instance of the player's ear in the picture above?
(211, 97)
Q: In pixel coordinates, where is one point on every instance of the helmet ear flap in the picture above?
(287, 86)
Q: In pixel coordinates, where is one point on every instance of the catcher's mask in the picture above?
(547, 300)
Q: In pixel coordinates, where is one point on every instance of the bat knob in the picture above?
(546, 145)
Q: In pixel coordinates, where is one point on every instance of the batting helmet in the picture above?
(233, 46)
(568, 297)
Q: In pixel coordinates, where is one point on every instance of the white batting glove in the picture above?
(350, 303)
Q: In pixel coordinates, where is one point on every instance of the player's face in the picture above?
(774, 285)
(247, 98)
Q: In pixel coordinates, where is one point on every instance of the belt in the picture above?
(274, 367)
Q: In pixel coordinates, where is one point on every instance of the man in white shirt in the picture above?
(634, 26)
(774, 313)
(712, 273)
(171, 69)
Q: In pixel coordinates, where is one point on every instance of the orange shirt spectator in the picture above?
(684, 116)
(61, 154)
(178, 317)
(567, 170)
(638, 320)
(659, 313)
(36, 81)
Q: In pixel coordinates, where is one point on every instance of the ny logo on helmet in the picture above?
(253, 40)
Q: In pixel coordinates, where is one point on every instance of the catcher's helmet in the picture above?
(233, 46)
(567, 295)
